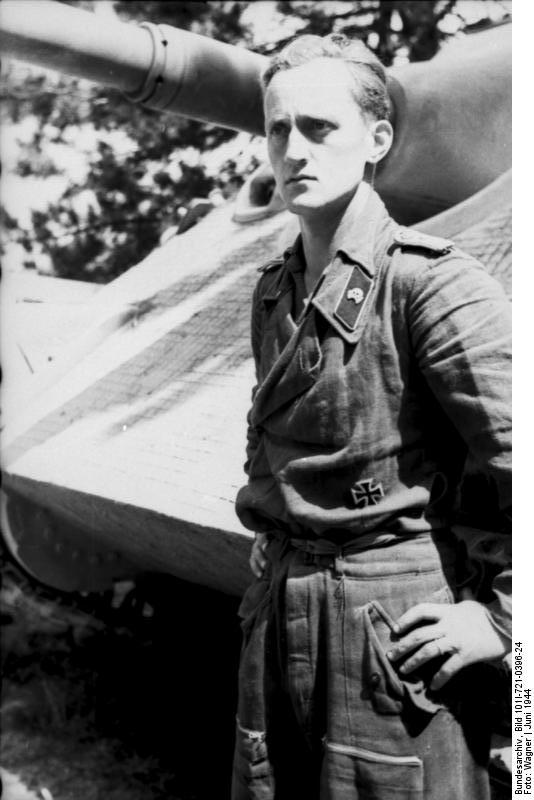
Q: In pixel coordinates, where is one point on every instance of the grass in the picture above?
(123, 696)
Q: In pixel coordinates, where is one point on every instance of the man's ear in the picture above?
(381, 132)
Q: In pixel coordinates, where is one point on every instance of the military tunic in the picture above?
(378, 448)
(385, 406)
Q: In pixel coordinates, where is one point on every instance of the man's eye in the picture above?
(278, 129)
(320, 126)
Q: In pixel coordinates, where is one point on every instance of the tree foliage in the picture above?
(133, 195)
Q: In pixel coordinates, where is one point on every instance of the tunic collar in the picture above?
(344, 291)
(358, 244)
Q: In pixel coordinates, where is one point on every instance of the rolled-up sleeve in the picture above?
(460, 328)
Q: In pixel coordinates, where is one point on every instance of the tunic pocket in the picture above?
(374, 775)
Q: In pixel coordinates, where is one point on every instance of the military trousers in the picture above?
(322, 712)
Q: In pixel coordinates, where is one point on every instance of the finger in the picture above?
(424, 612)
(466, 594)
(259, 558)
(259, 545)
(257, 551)
(257, 561)
(429, 651)
(256, 568)
(453, 665)
(416, 638)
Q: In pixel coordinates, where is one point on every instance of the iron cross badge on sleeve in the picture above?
(367, 493)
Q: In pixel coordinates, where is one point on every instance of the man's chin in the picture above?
(304, 206)
(307, 205)
(315, 209)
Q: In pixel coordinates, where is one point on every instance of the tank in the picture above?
(124, 454)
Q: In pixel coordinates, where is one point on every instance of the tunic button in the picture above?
(374, 680)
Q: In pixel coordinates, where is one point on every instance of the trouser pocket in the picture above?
(381, 684)
(254, 613)
(373, 774)
(388, 692)
(253, 602)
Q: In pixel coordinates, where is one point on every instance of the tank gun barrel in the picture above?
(451, 114)
(164, 68)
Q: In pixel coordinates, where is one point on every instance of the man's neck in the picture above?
(322, 235)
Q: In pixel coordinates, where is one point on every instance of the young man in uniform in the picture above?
(378, 471)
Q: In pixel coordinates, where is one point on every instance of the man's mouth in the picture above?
(298, 178)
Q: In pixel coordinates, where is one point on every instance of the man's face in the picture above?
(317, 137)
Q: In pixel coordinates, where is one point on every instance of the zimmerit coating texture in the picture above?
(153, 418)
(491, 242)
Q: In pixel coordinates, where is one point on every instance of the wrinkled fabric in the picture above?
(398, 423)
(322, 713)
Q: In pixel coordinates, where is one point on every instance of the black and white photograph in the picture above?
(256, 402)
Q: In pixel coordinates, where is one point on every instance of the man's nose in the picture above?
(297, 146)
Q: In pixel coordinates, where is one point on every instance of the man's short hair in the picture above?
(369, 76)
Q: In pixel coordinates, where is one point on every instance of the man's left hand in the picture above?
(462, 631)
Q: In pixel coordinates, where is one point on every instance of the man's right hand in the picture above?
(257, 558)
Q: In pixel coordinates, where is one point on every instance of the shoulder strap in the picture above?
(408, 237)
(273, 264)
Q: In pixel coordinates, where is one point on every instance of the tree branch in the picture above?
(93, 226)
